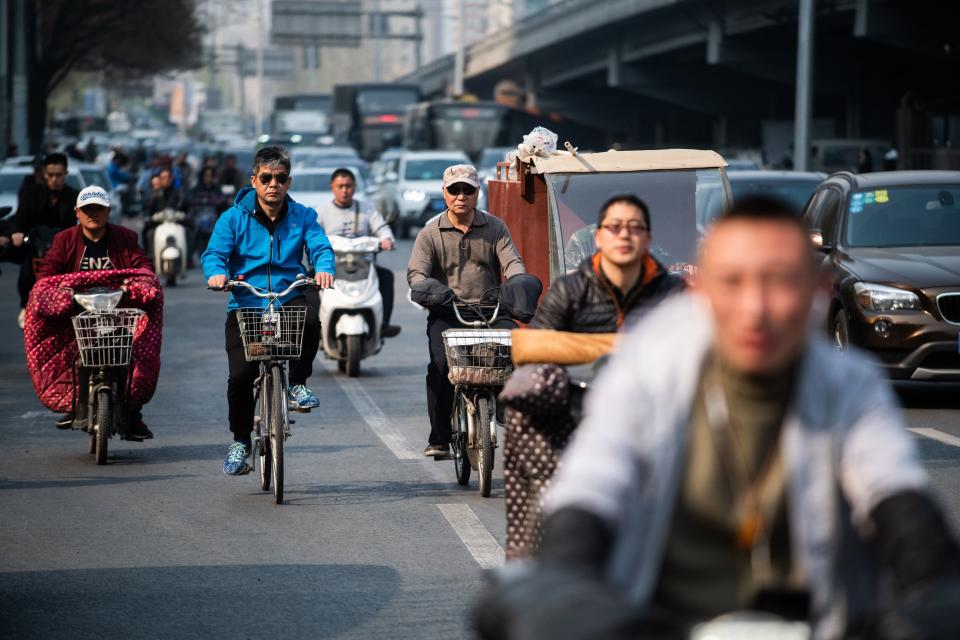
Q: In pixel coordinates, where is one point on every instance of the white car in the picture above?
(412, 188)
(311, 187)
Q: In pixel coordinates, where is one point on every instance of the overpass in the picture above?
(721, 72)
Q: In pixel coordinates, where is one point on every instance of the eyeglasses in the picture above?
(633, 227)
(465, 189)
(267, 178)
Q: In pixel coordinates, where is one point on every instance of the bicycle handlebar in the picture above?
(300, 281)
(476, 323)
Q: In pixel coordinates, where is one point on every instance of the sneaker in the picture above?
(390, 331)
(434, 450)
(66, 422)
(236, 462)
(22, 318)
(302, 398)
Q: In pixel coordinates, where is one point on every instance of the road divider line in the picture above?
(936, 434)
(376, 420)
(479, 542)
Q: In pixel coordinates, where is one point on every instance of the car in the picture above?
(305, 156)
(792, 187)
(891, 243)
(311, 186)
(412, 189)
(741, 164)
(832, 155)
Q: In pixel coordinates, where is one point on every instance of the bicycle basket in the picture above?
(275, 334)
(478, 356)
(105, 338)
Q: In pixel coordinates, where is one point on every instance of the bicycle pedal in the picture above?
(445, 456)
(299, 409)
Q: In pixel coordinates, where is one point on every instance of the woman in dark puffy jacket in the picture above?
(618, 279)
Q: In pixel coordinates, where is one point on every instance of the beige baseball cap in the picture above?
(464, 173)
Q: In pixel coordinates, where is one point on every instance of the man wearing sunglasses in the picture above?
(471, 252)
(263, 237)
(619, 278)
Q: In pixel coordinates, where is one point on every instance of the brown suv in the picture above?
(892, 243)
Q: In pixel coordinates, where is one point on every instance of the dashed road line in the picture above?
(936, 434)
(376, 420)
(479, 542)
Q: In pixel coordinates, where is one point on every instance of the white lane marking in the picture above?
(33, 415)
(378, 423)
(936, 434)
(479, 542)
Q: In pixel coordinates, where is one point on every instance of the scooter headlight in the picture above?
(99, 301)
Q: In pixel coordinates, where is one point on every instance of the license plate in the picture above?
(437, 205)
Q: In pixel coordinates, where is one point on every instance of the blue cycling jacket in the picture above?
(242, 245)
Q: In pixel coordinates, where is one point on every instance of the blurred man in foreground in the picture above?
(730, 459)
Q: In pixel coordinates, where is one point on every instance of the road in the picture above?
(372, 540)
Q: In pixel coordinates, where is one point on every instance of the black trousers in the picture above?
(439, 389)
(385, 276)
(240, 399)
(26, 280)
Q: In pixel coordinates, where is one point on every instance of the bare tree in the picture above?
(140, 36)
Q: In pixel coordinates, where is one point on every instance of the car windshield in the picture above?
(793, 192)
(96, 177)
(11, 181)
(319, 181)
(491, 157)
(428, 169)
(926, 215)
(681, 202)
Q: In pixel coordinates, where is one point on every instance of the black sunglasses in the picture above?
(465, 189)
(267, 178)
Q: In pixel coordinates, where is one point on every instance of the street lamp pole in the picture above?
(801, 122)
(460, 58)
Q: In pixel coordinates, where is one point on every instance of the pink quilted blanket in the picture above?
(51, 346)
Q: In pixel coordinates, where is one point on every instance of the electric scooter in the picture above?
(351, 313)
(170, 246)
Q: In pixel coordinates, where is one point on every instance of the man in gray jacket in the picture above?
(731, 459)
(470, 252)
(346, 216)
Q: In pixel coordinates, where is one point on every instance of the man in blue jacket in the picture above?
(263, 237)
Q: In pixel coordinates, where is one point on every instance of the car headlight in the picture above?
(878, 297)
(414, 195)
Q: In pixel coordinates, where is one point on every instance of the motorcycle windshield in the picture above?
(353, 267)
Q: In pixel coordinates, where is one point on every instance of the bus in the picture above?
(472, 127)
(369, 117)
(306, 115)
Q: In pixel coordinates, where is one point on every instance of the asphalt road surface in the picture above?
(372, 540)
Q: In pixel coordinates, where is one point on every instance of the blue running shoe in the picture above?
(236, 462)
(302, 398)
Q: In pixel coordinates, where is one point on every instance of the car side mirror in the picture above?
(391, 176)
(816, 237)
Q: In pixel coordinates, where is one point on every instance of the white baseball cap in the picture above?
(93, 195)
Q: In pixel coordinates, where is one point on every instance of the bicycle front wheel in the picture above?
(104, 421)
(277, 427)
(261, 438)
(485, 445)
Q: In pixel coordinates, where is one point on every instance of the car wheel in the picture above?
(841, 331)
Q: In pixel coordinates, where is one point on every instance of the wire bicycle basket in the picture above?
(478, 356)
(105, 338)
(272, 333)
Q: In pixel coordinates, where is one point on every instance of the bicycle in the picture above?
(271, 335)
(105, 344)
(479, 362)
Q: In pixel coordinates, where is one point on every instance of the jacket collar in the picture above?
(246, 200)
